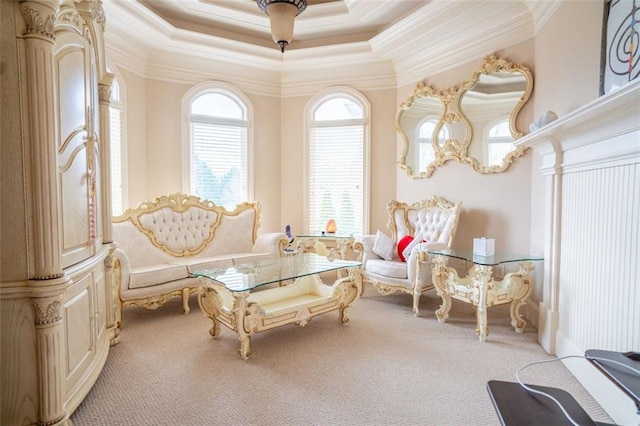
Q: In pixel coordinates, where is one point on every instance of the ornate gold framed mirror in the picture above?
(474, 123)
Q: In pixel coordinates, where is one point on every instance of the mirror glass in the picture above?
(490, 107)
(474, 123)
(418, 121)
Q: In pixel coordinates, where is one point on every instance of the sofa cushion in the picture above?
(384, 246)
(195, 264)
(392, 268)
(146, 276)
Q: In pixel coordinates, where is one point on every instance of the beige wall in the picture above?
(136, 137)
(268, 161)
(567, 73)
(292, 170)
(164, 136)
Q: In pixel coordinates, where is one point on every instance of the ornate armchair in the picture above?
(432, 223)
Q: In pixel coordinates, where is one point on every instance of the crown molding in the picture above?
(541, 11)
(378, 76)
(165, 69)
(132, 57)
(436, 50)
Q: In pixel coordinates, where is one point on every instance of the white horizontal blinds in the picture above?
(336, 166)
(218, 154)
(116, 113)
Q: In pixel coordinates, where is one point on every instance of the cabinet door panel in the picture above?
(78, 323)
(72, 98)
(75, 154)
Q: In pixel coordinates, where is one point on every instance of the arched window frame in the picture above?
(119, 168)
(427, 143)
(310, 123)
(494, 140)
(239, 97)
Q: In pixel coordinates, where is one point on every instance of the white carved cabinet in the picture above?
(56, 299)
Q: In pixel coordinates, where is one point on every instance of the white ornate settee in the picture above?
(433, 220)
(162, 241)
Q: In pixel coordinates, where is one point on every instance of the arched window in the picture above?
(337, 159)
(217, 153)
(117, 147)
(499, 141)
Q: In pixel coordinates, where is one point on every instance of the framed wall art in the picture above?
(620, 44)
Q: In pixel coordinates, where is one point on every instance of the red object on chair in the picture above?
(402, 244)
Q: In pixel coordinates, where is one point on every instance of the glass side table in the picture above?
(479, 288)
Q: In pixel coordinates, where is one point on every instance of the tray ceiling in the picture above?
(413, 36)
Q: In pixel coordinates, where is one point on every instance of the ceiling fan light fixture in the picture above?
(282, 14)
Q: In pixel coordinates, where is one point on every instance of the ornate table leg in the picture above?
(520, 286)
(441, 278)
(211, 304)
(417, 288)
(481, 278)
(239, 310)
(185, 300)
(349, 290)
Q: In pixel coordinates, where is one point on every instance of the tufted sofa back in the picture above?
(180, 225)
(435, 219)
(179, 231)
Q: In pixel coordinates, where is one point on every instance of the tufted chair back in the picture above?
(435, 219)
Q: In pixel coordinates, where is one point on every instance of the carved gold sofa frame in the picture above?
(161, 242)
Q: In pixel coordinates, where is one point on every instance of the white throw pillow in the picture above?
(384, 246)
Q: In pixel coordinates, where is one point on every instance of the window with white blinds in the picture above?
(218, 148)
(117, 151)
(337, 149)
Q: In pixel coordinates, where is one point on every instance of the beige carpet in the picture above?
(385, 367)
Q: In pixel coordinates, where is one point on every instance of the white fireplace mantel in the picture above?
(591, 168)
(584, 136)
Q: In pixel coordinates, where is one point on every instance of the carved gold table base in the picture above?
(247, 312)
(339, 247)
(480, 290)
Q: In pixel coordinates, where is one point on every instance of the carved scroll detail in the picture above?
(104, 92)
(101, 19)
(71, 17)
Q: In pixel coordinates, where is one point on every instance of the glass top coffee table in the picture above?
(235, 296)
(479, 288)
